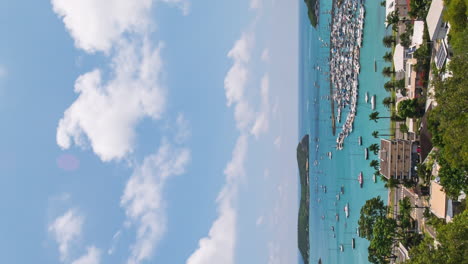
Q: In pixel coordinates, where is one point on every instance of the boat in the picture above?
(366, 153)
(374, 178)
(360, 140)
(366, 98)
(325, 189)
(333, 228)
(337, 217)
(346, 209)
(329, 155)
(342, 189)
(341, 248)
(338, 197)
(372, 101)
(320, 261)
(357, 231)
(353, 244)
(360, 179)
(375, 65)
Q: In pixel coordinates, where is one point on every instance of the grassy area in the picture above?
(312, 11)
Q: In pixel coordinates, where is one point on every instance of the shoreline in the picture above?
(332, 102)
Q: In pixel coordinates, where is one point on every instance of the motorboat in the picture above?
(341, 248)
(374, 178)
(360, 179)
(366, 153)
(360, 141)
(346, 210)
(353, 244)
(366, 97)
(342, 189)
(372, 101)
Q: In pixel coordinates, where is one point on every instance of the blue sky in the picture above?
(148, 131)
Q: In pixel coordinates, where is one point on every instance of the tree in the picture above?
(424, 173)
(383, 239)
(375, 115)
(388, 41)
(374, 164)
(372, 210)
(387, 101)
(404, 128)
(419, 9)
(389, 86)
(388, 56)
(408, 108)
(424, 253)
(387, 71)
(453, 180)
(391, 183)
(375, 134)
(405, 39)
(374, 148)
(393, 19)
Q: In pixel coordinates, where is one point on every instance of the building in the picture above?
(399, 61)
(402, 6)
(436, 26)
(395, 158)
(418, 32)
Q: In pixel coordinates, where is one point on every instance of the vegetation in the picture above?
(375, 116)
(374, 164)
(452, 245)
(404, 128)
(393, 19)
(410, 108)
(419, 8)
(312, 11)
(388, 57)
(388, 41)
(405, 38)
(388, 101)
(303, 218)
(387, 71)
(374, 148)
(456, 12)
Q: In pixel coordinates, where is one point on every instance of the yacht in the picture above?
(360, 179)
(346, 209)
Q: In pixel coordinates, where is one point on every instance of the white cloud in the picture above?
(265, 55)
(255, 4)
(182, 129)
(97, 25)
(93, 256)
(107, 112)
(262, 120)
(143, 200)
(259, 220)
(218, 246)
(277, 142)
(66, 230)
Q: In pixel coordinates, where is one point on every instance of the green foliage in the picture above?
(302, 153)
(388, 41)
(419, 8)
(374, 164)
(372, 210)
(393, 19)
(403, 128)
(375, 134)
(388, 56)
(424, 173)
(381, 244)
(453, 180)
(311, 9)
(452, 248)
(405, 39)
(387, 71)
(374, 148)
(409, 108)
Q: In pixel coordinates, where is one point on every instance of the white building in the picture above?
(436, 26)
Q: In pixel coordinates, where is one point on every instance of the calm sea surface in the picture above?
(314, 119)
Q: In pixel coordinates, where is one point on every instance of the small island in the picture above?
(303, 218)
(313, 11)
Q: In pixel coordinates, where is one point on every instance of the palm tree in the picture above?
(374, 148)
(387, 71)
(393, 19)
(376, 134)
(391, 183)
(375, 115)
(387, 57)
(388, 41)
(387, 101)
(374, 164)
(389, 85)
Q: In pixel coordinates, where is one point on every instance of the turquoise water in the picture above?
(343, 169)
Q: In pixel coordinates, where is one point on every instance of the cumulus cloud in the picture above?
(92, 256)
(255, 4)
(218, 246)
(66, 230)
(107, 112)
(143, 200)
(182, 129)
(262, 119)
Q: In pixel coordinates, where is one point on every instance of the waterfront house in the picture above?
(435, 24)
(395, 158)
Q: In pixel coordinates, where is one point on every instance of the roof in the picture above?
(398, 58)
(434, 17)
(418, 31)
(438, 200)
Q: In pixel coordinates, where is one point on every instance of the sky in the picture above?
(148, 131)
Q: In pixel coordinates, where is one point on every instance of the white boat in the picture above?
(360, 179)
(372, 101)
(366, 153)
(338, 197)
(337, 217)
(360, 140)
(341, 248)
(367, 97)
(374, 178)
(346, 210)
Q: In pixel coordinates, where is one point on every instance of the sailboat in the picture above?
(342, 189)
(367, 97)
(341, 247)
(346, 209)
(372, 101)
(360, 179)
(360, 141)
(375, 65)
(374, 178)
(353, 244)
(366, 153)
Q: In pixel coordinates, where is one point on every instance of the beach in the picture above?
(315, 118)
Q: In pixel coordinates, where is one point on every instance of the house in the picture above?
(440, 204)
(395, 158)
(403, 6)
(399, 62)
(418, 32)
(436, 26)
